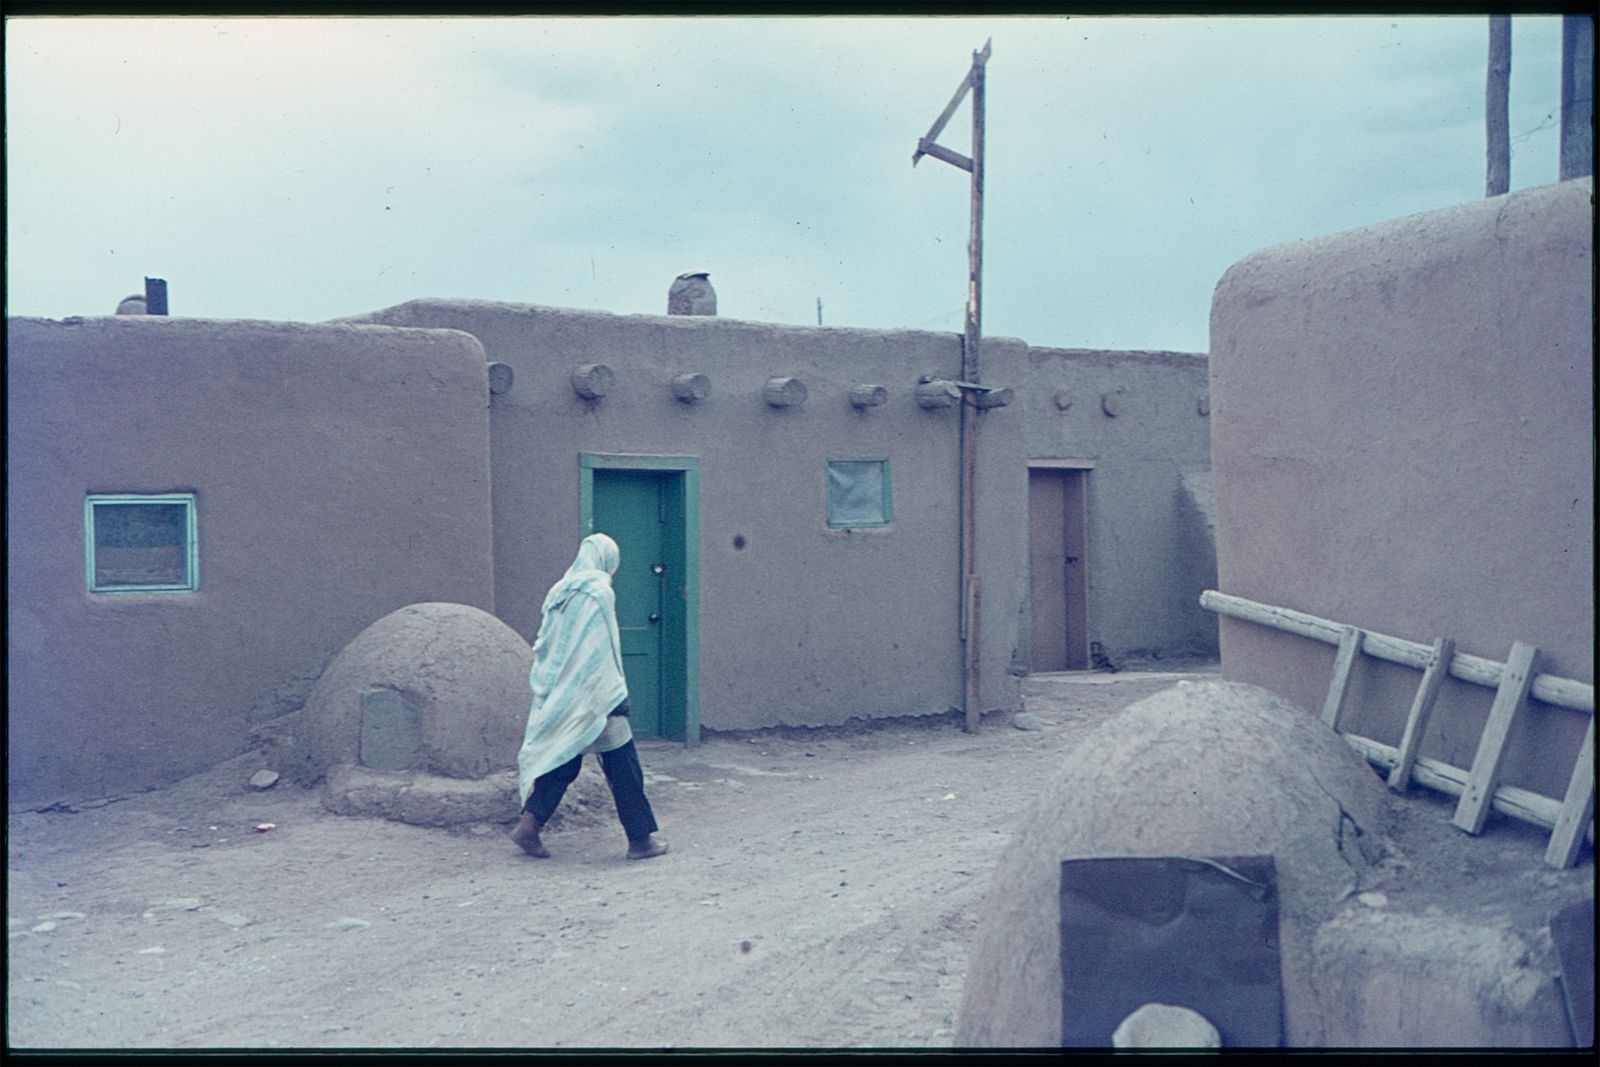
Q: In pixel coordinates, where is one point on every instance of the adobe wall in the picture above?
(804, 625)
(341, 472)
(1150, 549)
(1402, 440)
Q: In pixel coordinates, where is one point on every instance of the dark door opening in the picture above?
(1057, 569)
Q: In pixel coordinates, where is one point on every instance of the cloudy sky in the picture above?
(304, 169)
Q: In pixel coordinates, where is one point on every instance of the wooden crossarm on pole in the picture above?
(944, 117)
(925, 145)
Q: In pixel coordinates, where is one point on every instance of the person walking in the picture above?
(580, 704)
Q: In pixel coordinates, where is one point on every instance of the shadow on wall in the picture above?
(1195, 548)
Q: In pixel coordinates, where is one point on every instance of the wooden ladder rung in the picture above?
(1434, 672)
(1349, 647)
(1509, 700)
(1576, 809)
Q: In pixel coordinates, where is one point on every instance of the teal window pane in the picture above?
(141, 543)
(858, 492)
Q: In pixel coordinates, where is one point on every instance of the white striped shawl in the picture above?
(576, 677)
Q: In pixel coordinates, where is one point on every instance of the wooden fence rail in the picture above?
(1569, 819)
(1562, 692)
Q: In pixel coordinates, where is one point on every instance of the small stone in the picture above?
(177, 904)
(235, 920)
(347, 923)
(1166, 1026)
(69, 983)
(1374, 899)
(153, 950)
(67, 915)
(1024, 720)
(263, 779)
(44, 928)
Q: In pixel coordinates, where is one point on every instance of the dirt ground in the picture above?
(822, 890)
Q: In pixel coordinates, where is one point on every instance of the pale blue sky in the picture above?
(304, 169)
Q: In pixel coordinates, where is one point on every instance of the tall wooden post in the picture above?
(1577, 96)
(1496, 114)
(970, 351)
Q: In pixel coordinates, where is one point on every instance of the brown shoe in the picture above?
(526, 835)
(646, 847)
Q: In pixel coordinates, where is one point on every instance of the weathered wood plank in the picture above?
(926, 147)
(944, 117)
(1576, 809)
(1548, 688)
(1509, 701)
(1509, 800)
(1433, 676)
(1349, 647)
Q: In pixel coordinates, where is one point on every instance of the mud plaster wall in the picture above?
(341, 472)
(804, 625)
(1150, 548)
(1402, 435)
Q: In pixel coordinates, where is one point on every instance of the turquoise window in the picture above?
(858, 492)
(141, 543)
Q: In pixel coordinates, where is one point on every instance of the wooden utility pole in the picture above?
(1577, 96)
(971, 337)
(1497, 99)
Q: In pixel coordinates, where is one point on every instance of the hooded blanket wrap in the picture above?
(577, 664)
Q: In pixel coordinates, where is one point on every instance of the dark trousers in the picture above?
(623, 774)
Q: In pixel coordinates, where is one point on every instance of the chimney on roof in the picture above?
(691, 294)
(155, 296)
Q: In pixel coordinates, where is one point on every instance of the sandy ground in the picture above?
(822, 890)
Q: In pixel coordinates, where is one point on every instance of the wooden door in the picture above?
(1057, 569)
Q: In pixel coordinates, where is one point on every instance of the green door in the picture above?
(633, 508)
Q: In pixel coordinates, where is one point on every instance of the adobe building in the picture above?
(786, 498)
(1403, 443)
(200, 513)
(1119, 470)
(797, 550)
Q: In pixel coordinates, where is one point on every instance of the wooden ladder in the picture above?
(1570, 820)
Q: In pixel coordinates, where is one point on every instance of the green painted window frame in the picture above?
(888, 494)
(689, 468)
(191, 554)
